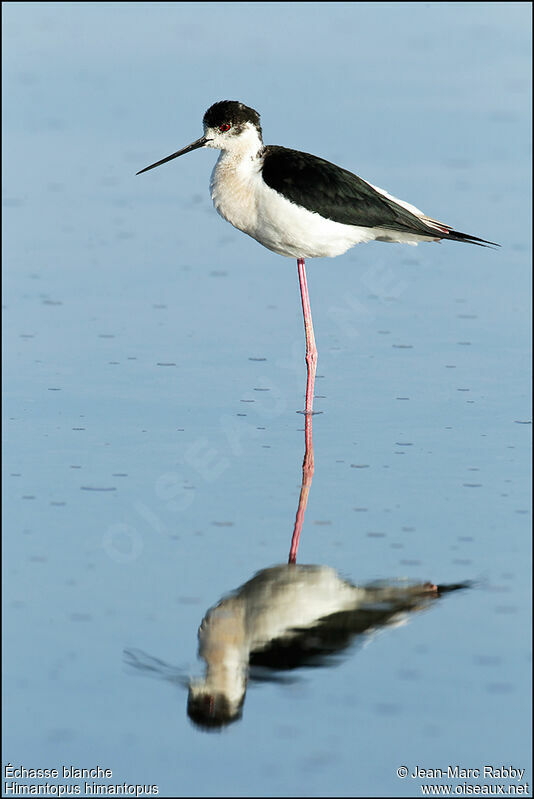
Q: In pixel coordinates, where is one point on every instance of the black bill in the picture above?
(196, 144)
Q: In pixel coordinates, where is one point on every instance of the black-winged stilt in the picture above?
(283, 619)
(299, 205)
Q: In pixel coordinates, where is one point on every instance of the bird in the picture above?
(300, 205)
(281, 620)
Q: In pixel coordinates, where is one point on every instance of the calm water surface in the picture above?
(153, 367)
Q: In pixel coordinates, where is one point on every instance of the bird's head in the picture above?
(228, 125)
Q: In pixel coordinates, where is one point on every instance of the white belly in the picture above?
(242, 198)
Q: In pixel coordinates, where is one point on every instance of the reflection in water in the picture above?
(307, 476)
(285, 617)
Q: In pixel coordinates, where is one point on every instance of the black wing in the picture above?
(339, 195)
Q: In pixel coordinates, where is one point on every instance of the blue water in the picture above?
(153, 367)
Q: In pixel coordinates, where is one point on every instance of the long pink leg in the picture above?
(311, 349)
(311, 361)
(307, 474)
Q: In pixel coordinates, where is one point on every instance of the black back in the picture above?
(333, 192)
(339, 195)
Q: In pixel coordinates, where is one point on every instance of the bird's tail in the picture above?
(447, 232)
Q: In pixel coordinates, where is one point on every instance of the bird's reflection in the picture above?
(285, 617)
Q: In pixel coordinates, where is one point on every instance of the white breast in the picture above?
(232, 187)
(242, 198)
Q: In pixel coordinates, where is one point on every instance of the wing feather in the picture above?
(339, 195)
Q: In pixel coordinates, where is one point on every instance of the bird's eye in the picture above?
(224, 127)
